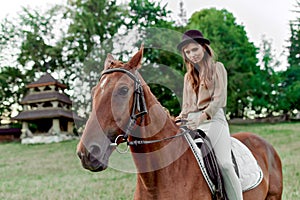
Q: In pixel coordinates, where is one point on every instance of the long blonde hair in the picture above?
(202, 70)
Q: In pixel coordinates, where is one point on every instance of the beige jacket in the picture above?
(211, 95)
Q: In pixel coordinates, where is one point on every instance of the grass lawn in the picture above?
(52, 171)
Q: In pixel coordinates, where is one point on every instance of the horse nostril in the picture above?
(80, 155)
(94, 153)
(94, 156)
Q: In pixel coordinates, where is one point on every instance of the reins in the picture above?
(139, 109)
(146, 142)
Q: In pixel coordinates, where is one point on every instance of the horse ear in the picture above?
(136, 60)
(109, 59)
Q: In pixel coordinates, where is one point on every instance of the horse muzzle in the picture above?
(90, 159)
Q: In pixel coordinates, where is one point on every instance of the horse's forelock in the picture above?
(116, 64)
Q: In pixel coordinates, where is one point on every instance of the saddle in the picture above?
(246, 167)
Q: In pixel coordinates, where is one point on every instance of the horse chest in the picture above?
(180, 180)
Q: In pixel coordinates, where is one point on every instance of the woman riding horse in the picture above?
(204, 100)
(125, 110)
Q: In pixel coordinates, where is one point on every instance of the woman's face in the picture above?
(194, 52)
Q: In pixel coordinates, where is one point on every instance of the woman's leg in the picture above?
(219, 135)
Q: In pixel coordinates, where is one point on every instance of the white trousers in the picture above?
(217, 131)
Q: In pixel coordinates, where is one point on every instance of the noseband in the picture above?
(139, 109)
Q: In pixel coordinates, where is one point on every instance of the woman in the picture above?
(204, 100)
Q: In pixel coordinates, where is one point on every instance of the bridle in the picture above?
(139, 109)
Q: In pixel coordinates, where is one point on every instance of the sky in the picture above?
(259, 17)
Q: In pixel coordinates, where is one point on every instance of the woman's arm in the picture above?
(219, 96)
(186, 100)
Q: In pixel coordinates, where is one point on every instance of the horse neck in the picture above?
(163, 165)
(156, 125)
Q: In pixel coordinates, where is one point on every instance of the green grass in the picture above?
(52, 171)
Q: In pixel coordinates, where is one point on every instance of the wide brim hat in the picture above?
(192, 36)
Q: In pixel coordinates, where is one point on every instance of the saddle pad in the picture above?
(198, 155)
(249, 171)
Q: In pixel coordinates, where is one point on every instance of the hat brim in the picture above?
(195, 40)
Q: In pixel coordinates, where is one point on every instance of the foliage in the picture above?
(156, 31)
(29, 45)
(89, 37)
(12, 86)
(37, 32)
(291, 83)
(92, 23)
(268, 97)
(73, 41)
(36, 43)
(79, 51)
(145, 13)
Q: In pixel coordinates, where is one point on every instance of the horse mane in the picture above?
(154, 97)
(168, 113)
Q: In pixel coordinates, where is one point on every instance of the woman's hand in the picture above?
(194, 123)
(179, 120)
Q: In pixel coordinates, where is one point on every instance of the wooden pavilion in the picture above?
(46, 109)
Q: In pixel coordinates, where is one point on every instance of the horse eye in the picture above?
(123, 90)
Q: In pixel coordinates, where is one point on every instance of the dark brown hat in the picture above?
(192, 36)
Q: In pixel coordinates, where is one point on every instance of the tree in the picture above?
(92, 23)
(11, 81)
(267, 96)
(40, 46)
(88, 30)
(34, 35)
(232, 47)
(291, 83)
(28, 45)
(163, 67)
(182, 14)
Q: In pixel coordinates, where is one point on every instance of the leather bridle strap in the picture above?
(140, 142)
(146, 142)
(139, 108)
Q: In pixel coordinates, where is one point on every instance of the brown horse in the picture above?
(125, 110)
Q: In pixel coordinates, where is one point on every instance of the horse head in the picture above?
(112, 109)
